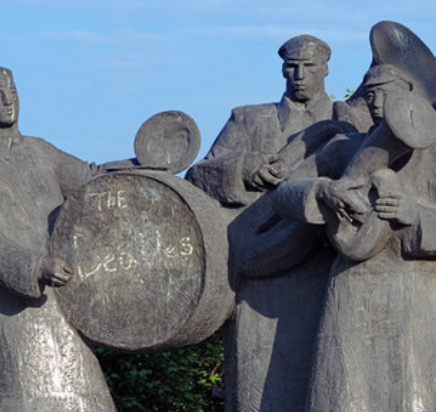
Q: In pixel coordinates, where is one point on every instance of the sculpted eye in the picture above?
(370, 97)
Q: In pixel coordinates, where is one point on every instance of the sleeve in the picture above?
(295, 197)
(71, 172)
(20, 269)
(419, 238)
(263, 244)
(297, 200)
(223, 171)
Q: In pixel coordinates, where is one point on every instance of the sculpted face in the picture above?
(376, 96)
(304, 72)
(380, 81)
(8, 100)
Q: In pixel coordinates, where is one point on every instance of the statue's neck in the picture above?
(9, 137)
(10, 132)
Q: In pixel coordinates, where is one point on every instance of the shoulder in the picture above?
(353, 111)
(38, 142)
(242, 113)
(39, 145)
(48, 151)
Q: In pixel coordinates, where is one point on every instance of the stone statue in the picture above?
(259, 143)
(44, 363)
(374, 348)
(330, 217)
(279, 286)
(364, 193)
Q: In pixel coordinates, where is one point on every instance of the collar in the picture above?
(286, 106)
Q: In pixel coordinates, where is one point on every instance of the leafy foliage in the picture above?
(184, 380)
(347, 95)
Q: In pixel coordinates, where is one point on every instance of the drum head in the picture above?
(138, 257)
(168, 140)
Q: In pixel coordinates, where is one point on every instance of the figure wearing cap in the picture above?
(374, 348)
(252, 152)
(274, 321)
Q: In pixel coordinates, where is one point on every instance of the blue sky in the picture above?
(89, 72)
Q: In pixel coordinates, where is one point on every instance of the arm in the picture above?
(310, 189)
(236, 171)
(26, 272)
(418, 217)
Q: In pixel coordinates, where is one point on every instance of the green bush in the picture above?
(184, 380)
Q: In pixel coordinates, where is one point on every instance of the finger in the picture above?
(387, 215)
(386, 208)
(68, 269)
(391, 195)
(257, 181)
(268, 178)
(274, 172)
(271, 180)
(272, 158)
(63, 275)
(387, 202)
(54, 283)
(345, 215)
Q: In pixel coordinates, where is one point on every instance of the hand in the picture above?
(55, 272)
(344, 198)
(268, 175)
(396, 206)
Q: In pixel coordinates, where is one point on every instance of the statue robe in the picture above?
(44, 363)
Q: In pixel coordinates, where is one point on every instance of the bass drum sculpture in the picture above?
(149, 251)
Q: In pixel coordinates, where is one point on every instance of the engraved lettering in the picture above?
(187, 247)
(158, 245)
(126, 260)
(109, 259)
(111, 200)
(75, 240)
(92, 272)
(122, 201)
(99, 197)
(170, 252)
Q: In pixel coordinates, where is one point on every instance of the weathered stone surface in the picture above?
(375, 342)
(150, 254)
(44, 363)
(168, 140)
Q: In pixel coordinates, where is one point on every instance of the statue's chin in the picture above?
(6, 123)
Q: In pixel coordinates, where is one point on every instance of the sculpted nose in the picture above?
(299, 72)
(7, 99)
(378, 101)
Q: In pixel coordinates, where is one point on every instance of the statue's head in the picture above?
(304, 66)
(379, 81)
(9, 99)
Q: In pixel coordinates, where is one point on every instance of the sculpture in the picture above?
(280, 260)
(44, 363)
(320, 199)
(374, 344)
(260, 143)
(276, 279)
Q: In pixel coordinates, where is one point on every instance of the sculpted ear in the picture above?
(284, 72)
(326, 69)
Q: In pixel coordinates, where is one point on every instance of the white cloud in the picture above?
(282, 32)
(111, 38)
